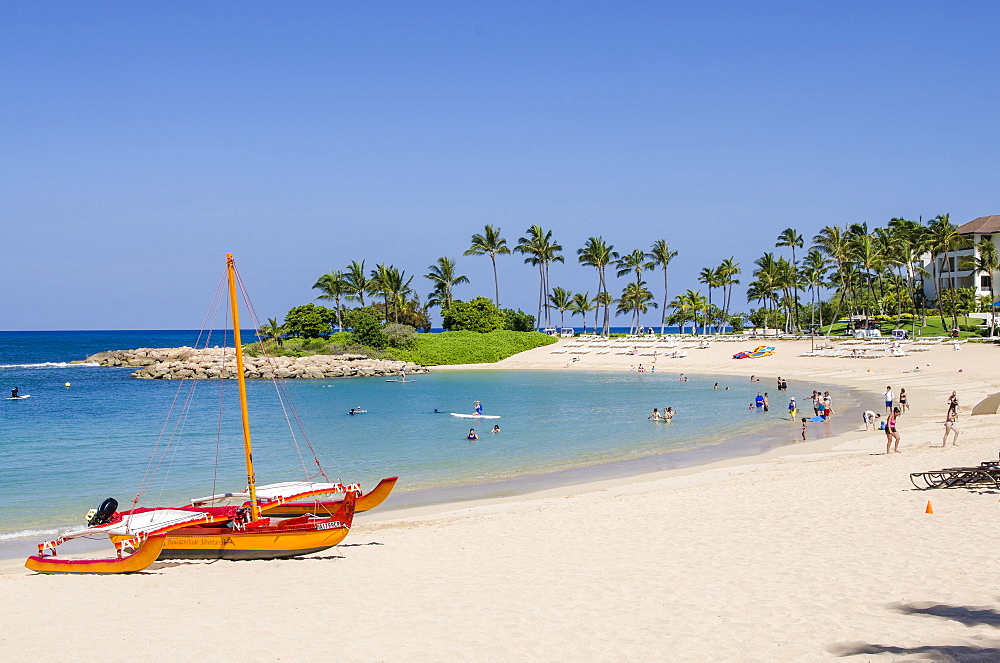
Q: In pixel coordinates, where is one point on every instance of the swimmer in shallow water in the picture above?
(668, 414)
(472, 434)
(496, 428)
(655, 416)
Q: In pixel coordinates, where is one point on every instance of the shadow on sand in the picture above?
(968, 616)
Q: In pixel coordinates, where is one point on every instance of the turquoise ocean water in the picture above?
(64, 450)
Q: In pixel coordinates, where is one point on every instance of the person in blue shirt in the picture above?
(759, 401)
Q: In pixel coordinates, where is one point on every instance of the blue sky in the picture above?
(140, 142)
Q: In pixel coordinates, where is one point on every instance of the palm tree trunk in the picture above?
(663, 318)
(496, 283)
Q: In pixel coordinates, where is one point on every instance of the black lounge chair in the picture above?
(987, 475)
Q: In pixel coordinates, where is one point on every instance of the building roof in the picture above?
(984, 225)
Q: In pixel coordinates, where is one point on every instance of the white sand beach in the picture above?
(815, 551)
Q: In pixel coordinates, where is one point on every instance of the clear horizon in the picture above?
(144, 142)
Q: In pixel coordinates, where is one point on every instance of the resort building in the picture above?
(956, 272)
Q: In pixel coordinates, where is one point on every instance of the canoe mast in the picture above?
(247, 447)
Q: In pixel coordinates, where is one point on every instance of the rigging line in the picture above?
(282, 392)
(149, 473)
(222, 398)
(186, 408)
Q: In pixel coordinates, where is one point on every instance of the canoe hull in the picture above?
(291, 538)
(224, 543)
(366, 502)
(147, 553)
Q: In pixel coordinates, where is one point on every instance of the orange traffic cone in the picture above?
(929, 509)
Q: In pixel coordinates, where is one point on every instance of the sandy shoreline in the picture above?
(817, 551)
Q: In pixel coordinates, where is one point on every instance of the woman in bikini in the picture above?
(950, 424)
(891, 434)
(903, 405)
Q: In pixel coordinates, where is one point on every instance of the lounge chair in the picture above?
(987, 475)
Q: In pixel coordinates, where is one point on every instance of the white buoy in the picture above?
(67, 384)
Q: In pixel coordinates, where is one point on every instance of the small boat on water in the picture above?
(235, 526)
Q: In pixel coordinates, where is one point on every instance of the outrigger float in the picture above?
(234, 526)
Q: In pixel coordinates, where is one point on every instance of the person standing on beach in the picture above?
(827, 404)
(891, 434)
(804, 426)
(888, 399)
(951, 424)
(903, 405)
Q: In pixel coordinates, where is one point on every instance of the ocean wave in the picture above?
(27, 533)
(51, 364)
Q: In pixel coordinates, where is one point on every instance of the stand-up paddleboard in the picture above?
(398, 380)
(19, 398)
(475, 416)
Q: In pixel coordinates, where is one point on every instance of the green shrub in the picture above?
(309, 321)
(518, 320)
(403, 337)
(478, 315)
(366, 329)
(464, 347)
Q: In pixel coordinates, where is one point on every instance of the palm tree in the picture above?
(832, 241)
(727, 272)
(599, 254)
(766, 284)
(907, 236)
(333, 287)
(687, 306)
(541, 252)
(606, 300)
(791, 238)
(562, 299)
(356, 281)
(272, 331)
(396, 290)
(636, 299)
(492, 244)
(633, 262)
(815, 268)
(943, 236)
(711, 278)
(985, 261)
(661, 256)
(581, 305)
(444, 278)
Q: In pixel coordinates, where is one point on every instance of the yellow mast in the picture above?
(247, 447)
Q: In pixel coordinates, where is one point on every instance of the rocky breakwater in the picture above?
(209, 363)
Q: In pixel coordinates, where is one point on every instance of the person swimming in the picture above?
(496, 428)
(669, 413)
(472, 434)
